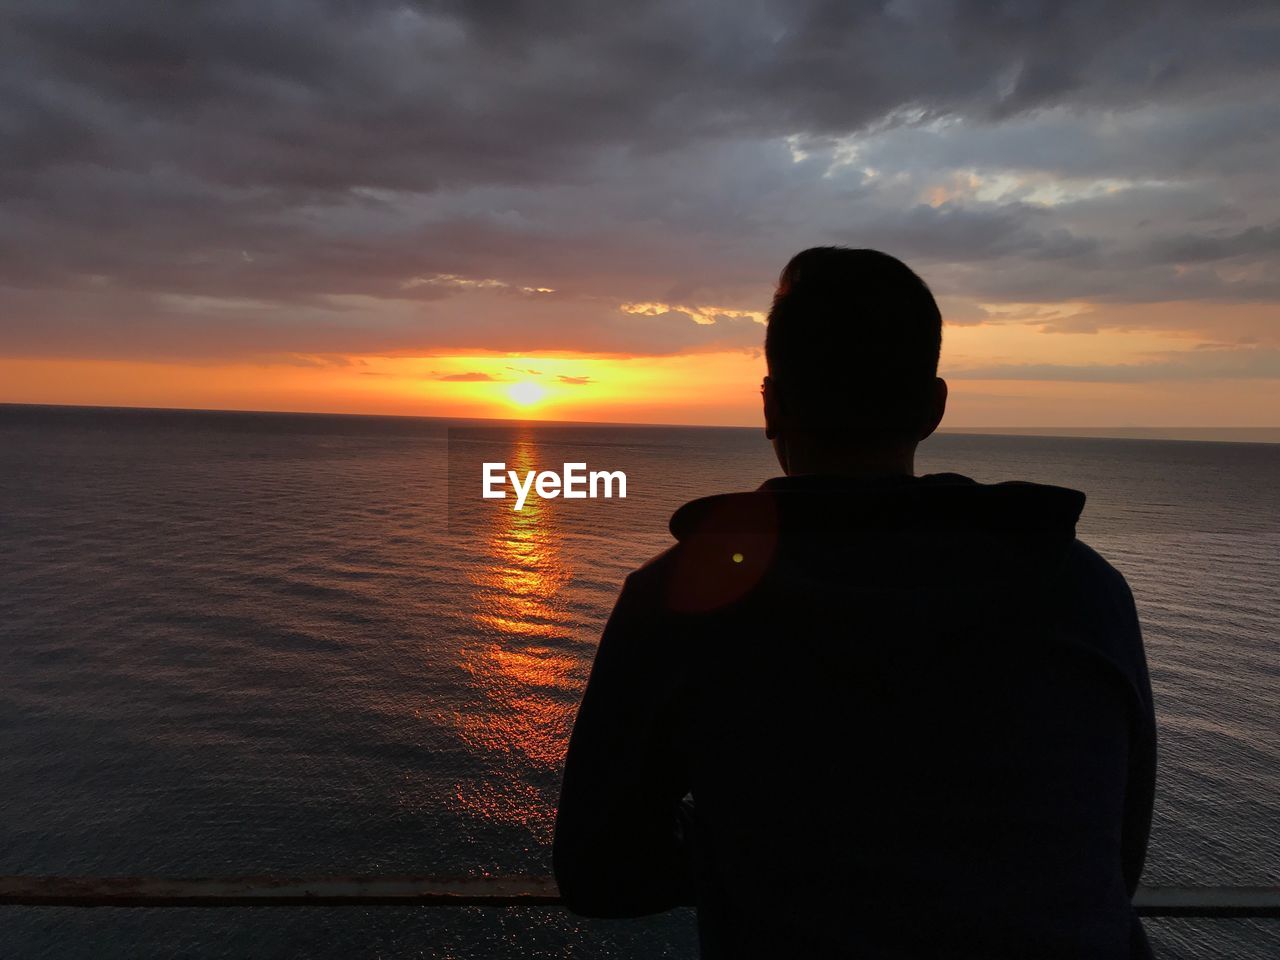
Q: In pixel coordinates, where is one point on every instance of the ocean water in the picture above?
(297, 644)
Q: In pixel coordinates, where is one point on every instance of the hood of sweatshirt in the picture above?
(941, 542)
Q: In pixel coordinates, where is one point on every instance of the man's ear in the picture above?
(937, 407)
(772, 409)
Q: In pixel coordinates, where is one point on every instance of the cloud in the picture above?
(1214, 363)
(1219, 245)
(314, 177)
(574, 380)
(467, 378)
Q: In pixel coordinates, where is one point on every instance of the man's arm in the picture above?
(1104, 613)
(621, 842)
(1139, 796)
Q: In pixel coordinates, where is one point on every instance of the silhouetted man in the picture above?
(858, 712)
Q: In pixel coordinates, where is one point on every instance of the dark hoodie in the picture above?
(913, 716)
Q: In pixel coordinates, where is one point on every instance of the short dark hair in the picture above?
(853, 342)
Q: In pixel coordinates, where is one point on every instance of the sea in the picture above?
(305, 645)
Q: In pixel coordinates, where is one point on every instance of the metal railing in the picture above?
(1252, 902)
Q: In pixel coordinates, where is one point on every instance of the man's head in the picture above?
(852, 349)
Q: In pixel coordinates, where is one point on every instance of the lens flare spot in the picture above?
(737, 558)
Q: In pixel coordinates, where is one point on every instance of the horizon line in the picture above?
(1038, 430)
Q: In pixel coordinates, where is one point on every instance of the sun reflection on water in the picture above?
(524, 667)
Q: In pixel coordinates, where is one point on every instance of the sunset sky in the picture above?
(577, 210)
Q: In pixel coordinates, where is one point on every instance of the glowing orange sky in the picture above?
(704, 388)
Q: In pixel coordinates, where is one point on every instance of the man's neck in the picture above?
(800, 458)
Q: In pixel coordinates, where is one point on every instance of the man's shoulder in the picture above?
(649, 586)
(1093, 580)
(1098, 612)
(645, 584)
(709, 573)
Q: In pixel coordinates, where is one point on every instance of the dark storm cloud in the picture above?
(1205, 247)
(240, 178)
(310, 95)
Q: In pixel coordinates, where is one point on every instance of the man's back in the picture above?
(913, 715)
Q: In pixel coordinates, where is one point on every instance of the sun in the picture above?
(525, 393)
